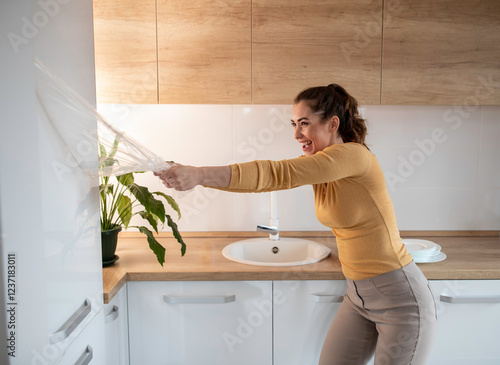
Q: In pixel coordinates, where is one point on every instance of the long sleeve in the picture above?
(333, 163)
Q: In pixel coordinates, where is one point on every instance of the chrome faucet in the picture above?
(268, 229)
(272, 228)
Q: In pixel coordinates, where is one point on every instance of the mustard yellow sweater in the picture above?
(351, 198)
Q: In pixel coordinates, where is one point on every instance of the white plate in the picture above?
(435, 252)
(419, 246)
(436, 258)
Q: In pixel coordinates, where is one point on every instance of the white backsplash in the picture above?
(441, 162)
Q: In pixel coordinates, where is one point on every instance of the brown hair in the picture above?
(334, 100)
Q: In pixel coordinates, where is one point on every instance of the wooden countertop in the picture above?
(468, 257)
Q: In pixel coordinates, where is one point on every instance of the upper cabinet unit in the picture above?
(427, 52)
(125, 51)
(204, 51)
(299, 44)
(441, 52)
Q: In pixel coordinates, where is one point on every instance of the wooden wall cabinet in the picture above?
(299, 44)
(204, 51)
(441, 52)
(125, 51)
(428, 52)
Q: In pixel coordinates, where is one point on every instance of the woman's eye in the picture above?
(293, 124)
(303, 124)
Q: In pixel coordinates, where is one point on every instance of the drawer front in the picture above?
(468, 322)
(210, 323)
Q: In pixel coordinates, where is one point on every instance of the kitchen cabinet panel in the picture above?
(303, 43)
(442, 53)
(210, 323)
(116, 329)
(468, 322)
(303, 313)
(204, 51)
(49, 209)
(88, 348)
(125, 51)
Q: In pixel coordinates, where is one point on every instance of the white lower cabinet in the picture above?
(116, 329)
(468, 329)
(285, 322)
(192, 323)
(88, 348)
(303, 313)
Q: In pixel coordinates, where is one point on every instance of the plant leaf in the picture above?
(124, 206)
(148, 201)
(154, 245)
(170, 201)
(126, 179)
(151, 218)
(114, 149)
(105, 189)
(102, 150)
(176, 233)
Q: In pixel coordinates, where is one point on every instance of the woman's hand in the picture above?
(181, 177)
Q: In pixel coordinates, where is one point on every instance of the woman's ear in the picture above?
(334, 123)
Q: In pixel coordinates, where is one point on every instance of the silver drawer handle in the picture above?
(86, 357)
(323, 298)
(171, 299)
(113, 315)
(470, 299)
(69, 326)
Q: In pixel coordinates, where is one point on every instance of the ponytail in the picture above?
(333, 100)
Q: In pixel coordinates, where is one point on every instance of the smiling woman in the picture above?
(388, 298)
(318, 111)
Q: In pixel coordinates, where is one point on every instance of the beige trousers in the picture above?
(392, 315)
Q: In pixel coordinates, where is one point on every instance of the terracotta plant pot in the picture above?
(109, 239)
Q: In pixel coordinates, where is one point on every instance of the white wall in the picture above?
(441, 162)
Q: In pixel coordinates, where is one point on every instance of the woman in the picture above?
(389, 309)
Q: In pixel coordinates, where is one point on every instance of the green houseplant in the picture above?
(121, 199)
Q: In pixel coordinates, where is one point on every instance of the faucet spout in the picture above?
(268, 229)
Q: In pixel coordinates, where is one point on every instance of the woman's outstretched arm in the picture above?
(183, 177)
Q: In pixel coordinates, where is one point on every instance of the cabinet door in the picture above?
(303, 313)
(88, 348)
(309, 43)
(204, 51)
(116, 329)
(468, 322)
(125, 51)
(441, 52)
(210, 323)
(57, 256)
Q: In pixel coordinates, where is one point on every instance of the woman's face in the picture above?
(311, 132)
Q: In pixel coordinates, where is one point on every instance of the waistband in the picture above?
(386, 278)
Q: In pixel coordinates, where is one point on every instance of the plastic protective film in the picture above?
(75, 119)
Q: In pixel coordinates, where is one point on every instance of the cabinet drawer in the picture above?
(210, 323)
(468, 322)
(88, 347)
(303, 313)
(116, 329)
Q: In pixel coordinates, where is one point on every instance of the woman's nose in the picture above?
(297, 133)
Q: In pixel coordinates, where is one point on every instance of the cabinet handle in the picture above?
(69, 326)
(470, 299)
(199, 300)
(324, 298)
(86, 357)
(113, 315)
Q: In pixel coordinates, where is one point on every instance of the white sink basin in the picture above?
(284, 252)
